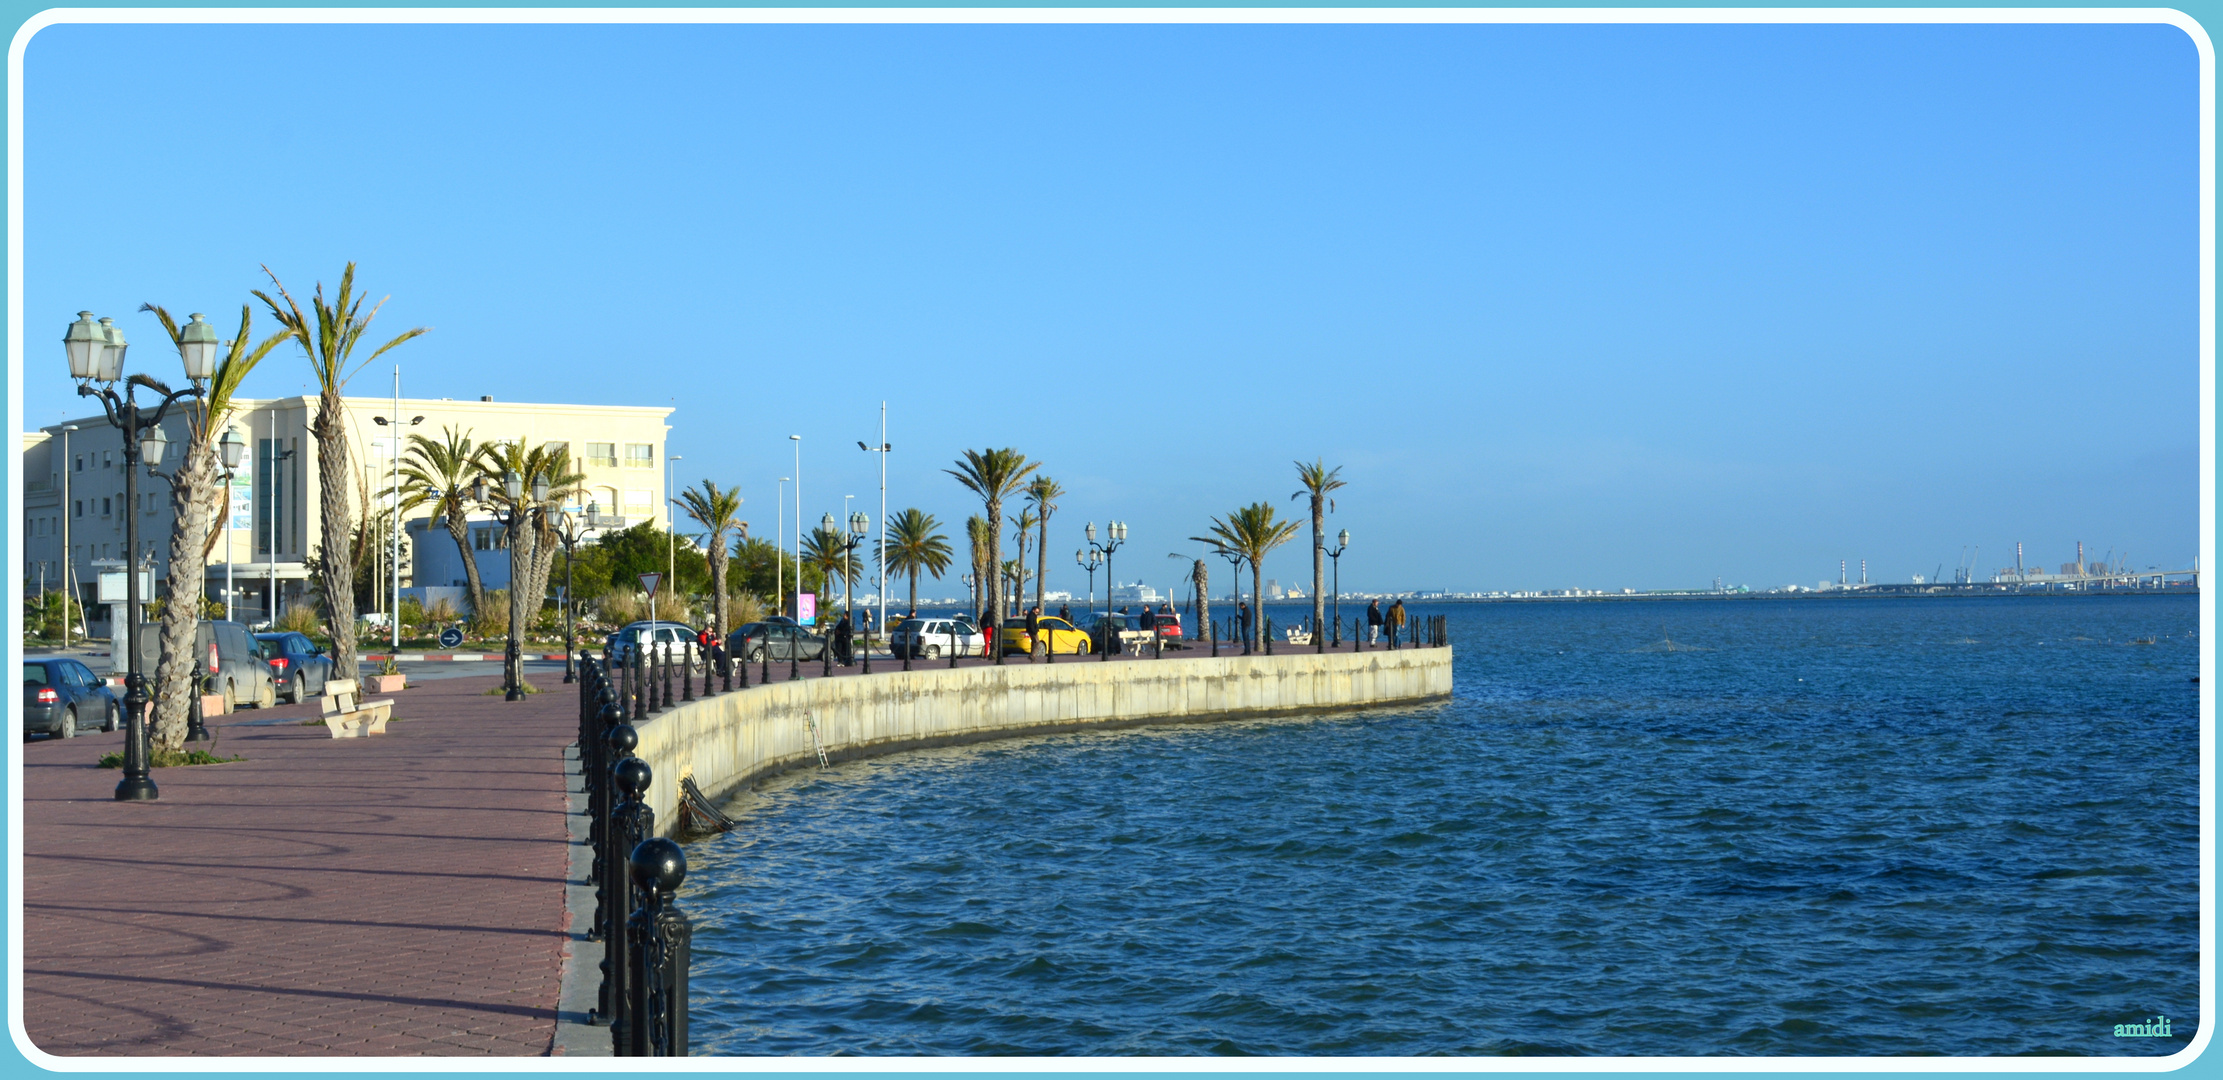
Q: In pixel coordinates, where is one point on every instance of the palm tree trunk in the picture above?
(914, 609)
(1041, 558)
(1203, 599)
(462, 534)
(1257, 611)
(176, 671)
(338, 564)
(1319, 554)
(995, 576)
(718, 584)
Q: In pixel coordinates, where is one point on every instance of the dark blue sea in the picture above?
(1748, 827)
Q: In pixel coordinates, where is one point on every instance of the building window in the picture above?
(79, 460)
(602, 454)
(490, 539)
(77, 507)
(108, 459)
(640, 455)
(640, 497)
(105, 508)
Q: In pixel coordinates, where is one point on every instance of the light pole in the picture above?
(798, 440)
(671, 542)
(393, 483)
(858, 526)
(881, 450)
(277, 456)
(1088, 561)
(234, 450)
(96, 354)
(69, 555)
(1342, 540)
(512, 518)
(571, 530)
(1115, 534)
(1235, 574)
(779, 554)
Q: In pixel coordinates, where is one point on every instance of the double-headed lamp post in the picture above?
(96, 355)
(1087, 560)
(234, 450)
(571, 530)
(1115, 534)
(858, 524)
(1342, 540)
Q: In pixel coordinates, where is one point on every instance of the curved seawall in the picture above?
(732, 740)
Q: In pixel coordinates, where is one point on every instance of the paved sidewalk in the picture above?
(388, 895)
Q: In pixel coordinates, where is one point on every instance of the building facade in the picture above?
(73, 486)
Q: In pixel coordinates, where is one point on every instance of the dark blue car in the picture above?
(298, 667)
(62, 697)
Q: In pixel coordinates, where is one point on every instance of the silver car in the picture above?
(671, 640)
(936, 638)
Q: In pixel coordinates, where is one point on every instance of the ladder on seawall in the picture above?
(815, 744)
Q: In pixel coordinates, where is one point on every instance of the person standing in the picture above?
(1065, 611)
(1373, 622)
(1034, 632)
(843, 649)
(1396, 620)
(1242, 612)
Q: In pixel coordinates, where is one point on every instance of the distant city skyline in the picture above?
(1572, 306)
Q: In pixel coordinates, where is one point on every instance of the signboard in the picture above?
(450, 638)
(806, 608)
(649, 583)
(113, 585)
(243, 500)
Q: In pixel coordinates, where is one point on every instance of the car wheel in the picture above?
(299, 691)
(68, 730)
(231, 694)
(266, 695)
(933, 652)
(756, 655)
(114, 719)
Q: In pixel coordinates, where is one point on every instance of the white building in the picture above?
(1136, 593)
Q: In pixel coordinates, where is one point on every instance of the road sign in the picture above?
(649, 582)
(450, 638)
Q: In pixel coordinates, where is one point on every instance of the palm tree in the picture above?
(976, 532)
(1015, 573)
(532, 557)
(1201, 607)
(1318, 480)
(717, 511)
(914, 546)
(1043, 495)
(1251, 532)
(441, 475)
(194, 495)
(1019, 530)
(329, 341)
(994, 475)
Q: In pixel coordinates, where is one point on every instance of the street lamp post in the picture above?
(779, 553)
(798, 441)
(234, 450)
(1088, 561)
(859, 525)
(571, 530)
(1115, 534)
(882, 450)
(1235, 574)
(393, 483)
(69, 554)
(1342, 540)
(96, 354)
(671, 542)
(512, 518)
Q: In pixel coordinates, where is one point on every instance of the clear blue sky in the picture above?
(1572, 306)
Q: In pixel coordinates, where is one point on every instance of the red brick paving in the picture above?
(394, 895)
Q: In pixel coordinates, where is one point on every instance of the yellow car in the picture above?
(1064, 638)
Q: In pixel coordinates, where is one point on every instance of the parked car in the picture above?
(781, 640)
(671, 640)
(62, 697)
(934, 639)
(297, 665)
(239, 672)
(1064, 637)
(1104, 633)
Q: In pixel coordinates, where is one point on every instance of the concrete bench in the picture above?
(1135, 641)
(1296, 636)
(349, 718)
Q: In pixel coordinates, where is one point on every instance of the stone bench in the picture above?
(348, 717)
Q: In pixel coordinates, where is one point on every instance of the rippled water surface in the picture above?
(1813, 827)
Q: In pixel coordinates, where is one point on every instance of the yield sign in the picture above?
(650, 581)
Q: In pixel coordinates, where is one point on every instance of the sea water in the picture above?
(1751, 827)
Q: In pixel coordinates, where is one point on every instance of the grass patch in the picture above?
(528, 688)
(163, 758)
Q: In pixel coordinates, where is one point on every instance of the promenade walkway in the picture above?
(400, 895)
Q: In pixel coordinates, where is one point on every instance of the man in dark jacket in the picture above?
(1373, 621)
(1034, 632)
(842, 638)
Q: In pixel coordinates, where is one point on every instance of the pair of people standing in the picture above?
(1376, 618)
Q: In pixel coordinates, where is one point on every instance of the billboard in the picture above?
(243, 500)
(806, 608)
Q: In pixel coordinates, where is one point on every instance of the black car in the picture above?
(1103, 633)
(775, 639)
(298, 667)
(61, 696)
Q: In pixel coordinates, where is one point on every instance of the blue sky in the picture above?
(1572, 306)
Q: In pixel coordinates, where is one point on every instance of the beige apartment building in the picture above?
(73, 486)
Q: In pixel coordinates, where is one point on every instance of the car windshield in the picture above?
(913, 625)
(34, 675)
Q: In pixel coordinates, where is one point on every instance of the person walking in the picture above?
(1242, 612)
(1396, 621)
(1373, 622)
(844, 651)
(1034, 633)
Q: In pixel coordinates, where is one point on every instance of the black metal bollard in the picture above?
(1214, 624)
(826, 653)
(668, 658)
(868, 651)
(618, 744)
(630, 823)
(954, 649)
(661, 943)
(725, 667)
(1269, 637)
(687, 673)
(639, 668)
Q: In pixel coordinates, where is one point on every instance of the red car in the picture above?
(1166, 623)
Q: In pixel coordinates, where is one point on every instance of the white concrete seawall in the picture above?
(731, 740)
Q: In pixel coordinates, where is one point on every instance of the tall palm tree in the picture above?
(914, 547)
(195, 492)
(994, 475)
(532, 557)
(1251, 532)
(329, 342)
(1318, 480)
(1043, 495)
(1200, 608)
(976, 533)
(1015, 576)
(719, 512)
(440, 475)
(1019, 530)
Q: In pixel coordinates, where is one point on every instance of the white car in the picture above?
(671, 640)
(934, 639)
